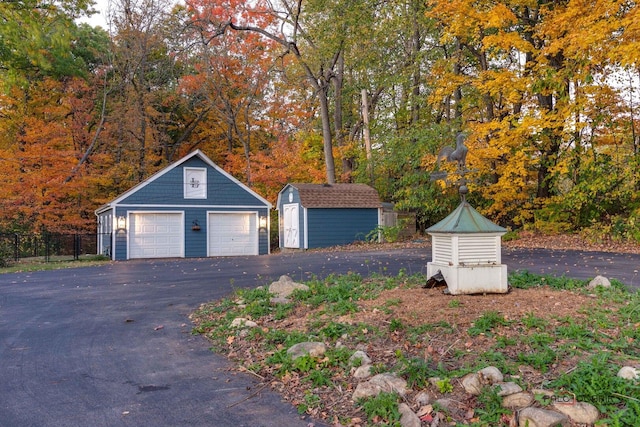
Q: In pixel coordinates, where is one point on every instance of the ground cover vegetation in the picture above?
(548, 333)
(327, 91)
(29, 264)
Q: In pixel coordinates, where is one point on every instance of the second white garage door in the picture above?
(156, 235)
(233, 233)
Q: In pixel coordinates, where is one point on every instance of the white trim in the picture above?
(306, 227)
(280, 193)
(196, 153)
(113, 234)
(257, 228)
(129, 213)
(232, 178)
(268, 237)
(187, 187)
(148, 206)
(290, 222)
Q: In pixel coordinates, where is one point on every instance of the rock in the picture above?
(313, 349)
(448, 405)
(599, 281)
(362, 356)
(362, 372)
(423, 398)
(543, 392)
(471, 384)
(536, 417)
(279, 300)
(578, 412)
(386, 382)
(490, 375)
(285, 287)
(241, 322)
(407, 417)
(628, 373)
(505, 389)
(517, 400)
(366, 389)
(390, 383)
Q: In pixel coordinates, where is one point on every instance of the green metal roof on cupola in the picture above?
(465, 219)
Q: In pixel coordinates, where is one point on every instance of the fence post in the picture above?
(16, 250)
(47, 242)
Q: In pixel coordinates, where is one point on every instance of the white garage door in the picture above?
(233, 233)
(156, 235)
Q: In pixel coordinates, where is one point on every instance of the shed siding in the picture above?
(329, 227)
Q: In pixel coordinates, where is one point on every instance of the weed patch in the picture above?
(551, 333)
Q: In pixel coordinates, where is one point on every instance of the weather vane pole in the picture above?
(458, 155)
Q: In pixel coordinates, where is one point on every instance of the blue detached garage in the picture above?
(191, 208)
(322, 215)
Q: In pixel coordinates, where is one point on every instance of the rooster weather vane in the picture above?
(458, 155)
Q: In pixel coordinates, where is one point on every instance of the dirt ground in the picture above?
(450, 346)
(572, 241)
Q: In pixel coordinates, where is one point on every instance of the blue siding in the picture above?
(329, 227)
(195, 242)
(168, 189)
(120, 250)
(165, 192)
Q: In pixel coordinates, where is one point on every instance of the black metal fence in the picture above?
(46, 247)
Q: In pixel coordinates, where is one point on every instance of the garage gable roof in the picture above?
(337, 196)
(196, 153)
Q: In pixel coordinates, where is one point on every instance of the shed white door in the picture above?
(156, 235)
(233, 233)
(291, 226)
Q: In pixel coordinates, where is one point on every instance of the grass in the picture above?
(38, 264)
(486, 323)
(382, 409)
(578, 355)
(594, 380)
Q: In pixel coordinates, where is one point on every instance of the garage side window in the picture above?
(195, 183)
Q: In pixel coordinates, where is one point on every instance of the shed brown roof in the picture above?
(338, 196)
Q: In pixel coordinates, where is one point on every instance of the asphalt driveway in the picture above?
(112, 345)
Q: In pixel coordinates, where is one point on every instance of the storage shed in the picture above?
(322, 215)
(191, 208)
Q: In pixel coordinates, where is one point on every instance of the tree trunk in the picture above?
(320, 83)
(326, 133)
(365, 134)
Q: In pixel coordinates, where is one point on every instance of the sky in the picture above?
(100, 18)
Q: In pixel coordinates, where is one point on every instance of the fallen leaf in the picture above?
(426, 418)
(425, 410)
(157, 328)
